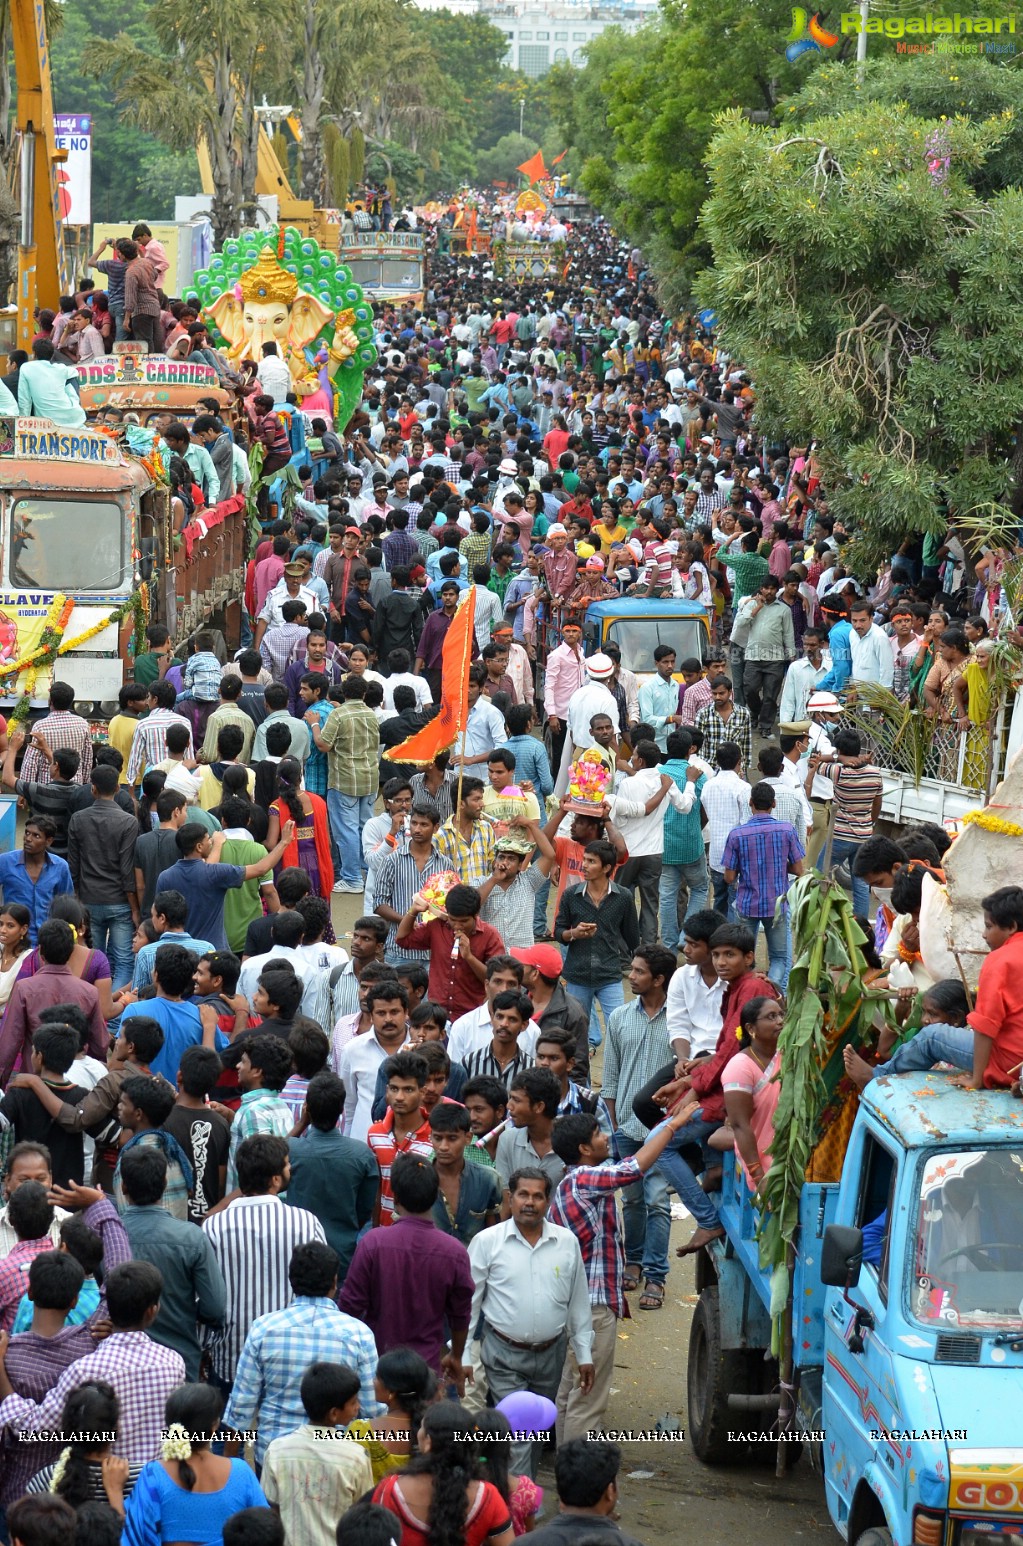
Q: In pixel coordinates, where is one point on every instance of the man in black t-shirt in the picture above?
(54, 1049)
(203, 1133)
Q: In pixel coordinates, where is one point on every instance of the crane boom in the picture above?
(43, 271)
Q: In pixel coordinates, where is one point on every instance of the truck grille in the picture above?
(952, 1349)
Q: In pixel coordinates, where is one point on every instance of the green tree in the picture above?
(501, 162)
(642, 113)
(196, 73)
(864, 269)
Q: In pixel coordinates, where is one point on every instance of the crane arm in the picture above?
(43, 270)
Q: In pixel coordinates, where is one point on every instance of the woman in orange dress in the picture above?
(310, 847)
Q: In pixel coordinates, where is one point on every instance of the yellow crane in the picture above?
(43, 270)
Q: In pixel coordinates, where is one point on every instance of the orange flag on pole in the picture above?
(443, 731)
(534, 168)
(564, 153)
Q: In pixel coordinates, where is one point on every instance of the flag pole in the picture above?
(469, 601)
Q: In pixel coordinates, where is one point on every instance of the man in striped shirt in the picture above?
(253, 1237)
(404, 1129)
(60, 728)
(149, 743)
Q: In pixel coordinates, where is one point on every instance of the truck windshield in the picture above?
(968, 1269)
(66, 544)
(638, 637)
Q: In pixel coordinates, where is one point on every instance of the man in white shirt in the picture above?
(273, 375)
(803, 676)
(638, 810)
(872, 658)
(286, 931)
(823, 711)
(592, 699)
(474, 1030)
(693, 1005)
(484, 728)
(360, 1060)
(531, 1286)
(725, 798)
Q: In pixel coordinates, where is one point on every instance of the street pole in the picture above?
(861, 40)
(522, 112)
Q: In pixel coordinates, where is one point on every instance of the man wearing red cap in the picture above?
(552, 1006)
(338, 571)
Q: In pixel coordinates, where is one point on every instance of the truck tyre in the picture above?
(712, 1376)
(878, 1536)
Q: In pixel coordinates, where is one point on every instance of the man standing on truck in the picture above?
(179, 442)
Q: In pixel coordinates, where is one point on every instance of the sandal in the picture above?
(631, 1279)
(652, 1297)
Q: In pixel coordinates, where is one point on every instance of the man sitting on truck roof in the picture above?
(48, 389)
(990, 1047)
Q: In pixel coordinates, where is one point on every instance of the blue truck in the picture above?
(906, 1320)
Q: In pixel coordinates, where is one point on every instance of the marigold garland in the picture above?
(991, 823)
(52, 643)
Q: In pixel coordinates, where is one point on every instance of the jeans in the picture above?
(112, 932)
(540, 924)
(117, 312)
(609, 995)
(146, 329)
(845, 848)
(673, 878)
(643, 872)
(724, 895)
(680, 1176)
(348, 814)
(934, 1044)
(646, 1212)
(779, 946)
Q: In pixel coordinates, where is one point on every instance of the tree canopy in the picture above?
(863, 266)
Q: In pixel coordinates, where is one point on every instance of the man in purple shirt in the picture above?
(430, 649)
(406, 1282)
(761, 855)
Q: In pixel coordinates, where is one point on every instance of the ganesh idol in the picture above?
(267, 305)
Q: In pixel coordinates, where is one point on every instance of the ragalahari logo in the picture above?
(807, 33)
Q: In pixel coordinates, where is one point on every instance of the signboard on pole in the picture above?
(73, 133)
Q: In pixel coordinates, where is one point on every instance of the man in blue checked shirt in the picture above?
(281, 1346)
(760, 856)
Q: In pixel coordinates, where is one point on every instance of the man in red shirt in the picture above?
(568, 851)
(460, 945)
(405, 1129)
(990, 1046)
(270, 430)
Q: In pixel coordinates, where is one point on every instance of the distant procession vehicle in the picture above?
(389, 265)
(84, 519)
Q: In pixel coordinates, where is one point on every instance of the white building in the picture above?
(540, 35)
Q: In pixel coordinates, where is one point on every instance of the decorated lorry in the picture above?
(88, 557)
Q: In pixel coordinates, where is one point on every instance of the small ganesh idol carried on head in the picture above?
(435, 892)
(588, 780)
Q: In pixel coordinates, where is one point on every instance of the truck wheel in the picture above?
(712, 1376)
(875, 1537)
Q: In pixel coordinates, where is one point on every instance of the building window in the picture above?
(534, 59)
(525, 37)
(542, 37)
(579, 57)
(560, 55)
(578, 37)
(561, 37)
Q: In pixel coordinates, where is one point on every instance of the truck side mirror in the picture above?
(841, 1255)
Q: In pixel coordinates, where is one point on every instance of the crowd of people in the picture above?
(382, 1200)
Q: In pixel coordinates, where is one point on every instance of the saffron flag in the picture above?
(533, 169)
(564, 153)
(443, 731)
